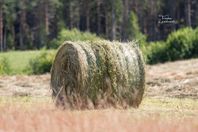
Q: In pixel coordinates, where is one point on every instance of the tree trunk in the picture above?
(46, 15)
(24, 33)
(4, 39)
(22, 29)
(86, 10)
(87, 21)
(98, 17)
(125, 21)
(196, 14)
(46, 23)
(113, 20)
(106, 24)
(1, 26)
(74, 9)
(70, 16)
(13, 37)
(188, 12)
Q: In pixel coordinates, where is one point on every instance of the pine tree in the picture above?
(133, 32)
(1, 25)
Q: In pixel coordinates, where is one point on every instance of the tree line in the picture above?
(33, 24)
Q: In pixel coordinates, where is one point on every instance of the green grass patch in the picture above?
(19, 60)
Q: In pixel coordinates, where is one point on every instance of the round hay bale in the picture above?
(101, 74)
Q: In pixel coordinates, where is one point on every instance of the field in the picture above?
(153, 115)
(170, 104)
(19, 60)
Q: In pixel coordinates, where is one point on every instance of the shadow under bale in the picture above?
(102, 74)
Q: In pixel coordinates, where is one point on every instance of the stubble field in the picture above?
(170, 104)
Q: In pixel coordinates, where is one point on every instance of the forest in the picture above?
(98, 65)
(34, 24)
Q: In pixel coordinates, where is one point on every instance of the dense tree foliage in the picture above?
(33, 24)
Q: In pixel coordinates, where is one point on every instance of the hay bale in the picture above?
(97, 75)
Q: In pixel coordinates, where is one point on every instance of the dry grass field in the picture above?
(170, 104)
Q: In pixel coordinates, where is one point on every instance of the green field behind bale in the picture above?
(98, 74)
(19, 60)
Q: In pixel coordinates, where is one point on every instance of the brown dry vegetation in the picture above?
(46, 120)
(23, 115)
(175, 79)
(170, 104)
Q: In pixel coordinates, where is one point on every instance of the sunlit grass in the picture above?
(185, 103)
(32, 114)
(165, 107)
(19, 60)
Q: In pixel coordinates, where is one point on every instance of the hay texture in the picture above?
(102, 74)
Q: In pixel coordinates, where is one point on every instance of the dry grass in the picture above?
(51, 120)
(174, 79)
(22, 114)
(162, 112)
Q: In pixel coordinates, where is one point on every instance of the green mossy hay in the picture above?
(100, 74)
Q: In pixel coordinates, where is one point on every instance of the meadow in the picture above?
(170, 103)
(19, 60)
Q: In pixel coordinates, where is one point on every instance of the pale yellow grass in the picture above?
(22, 114)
